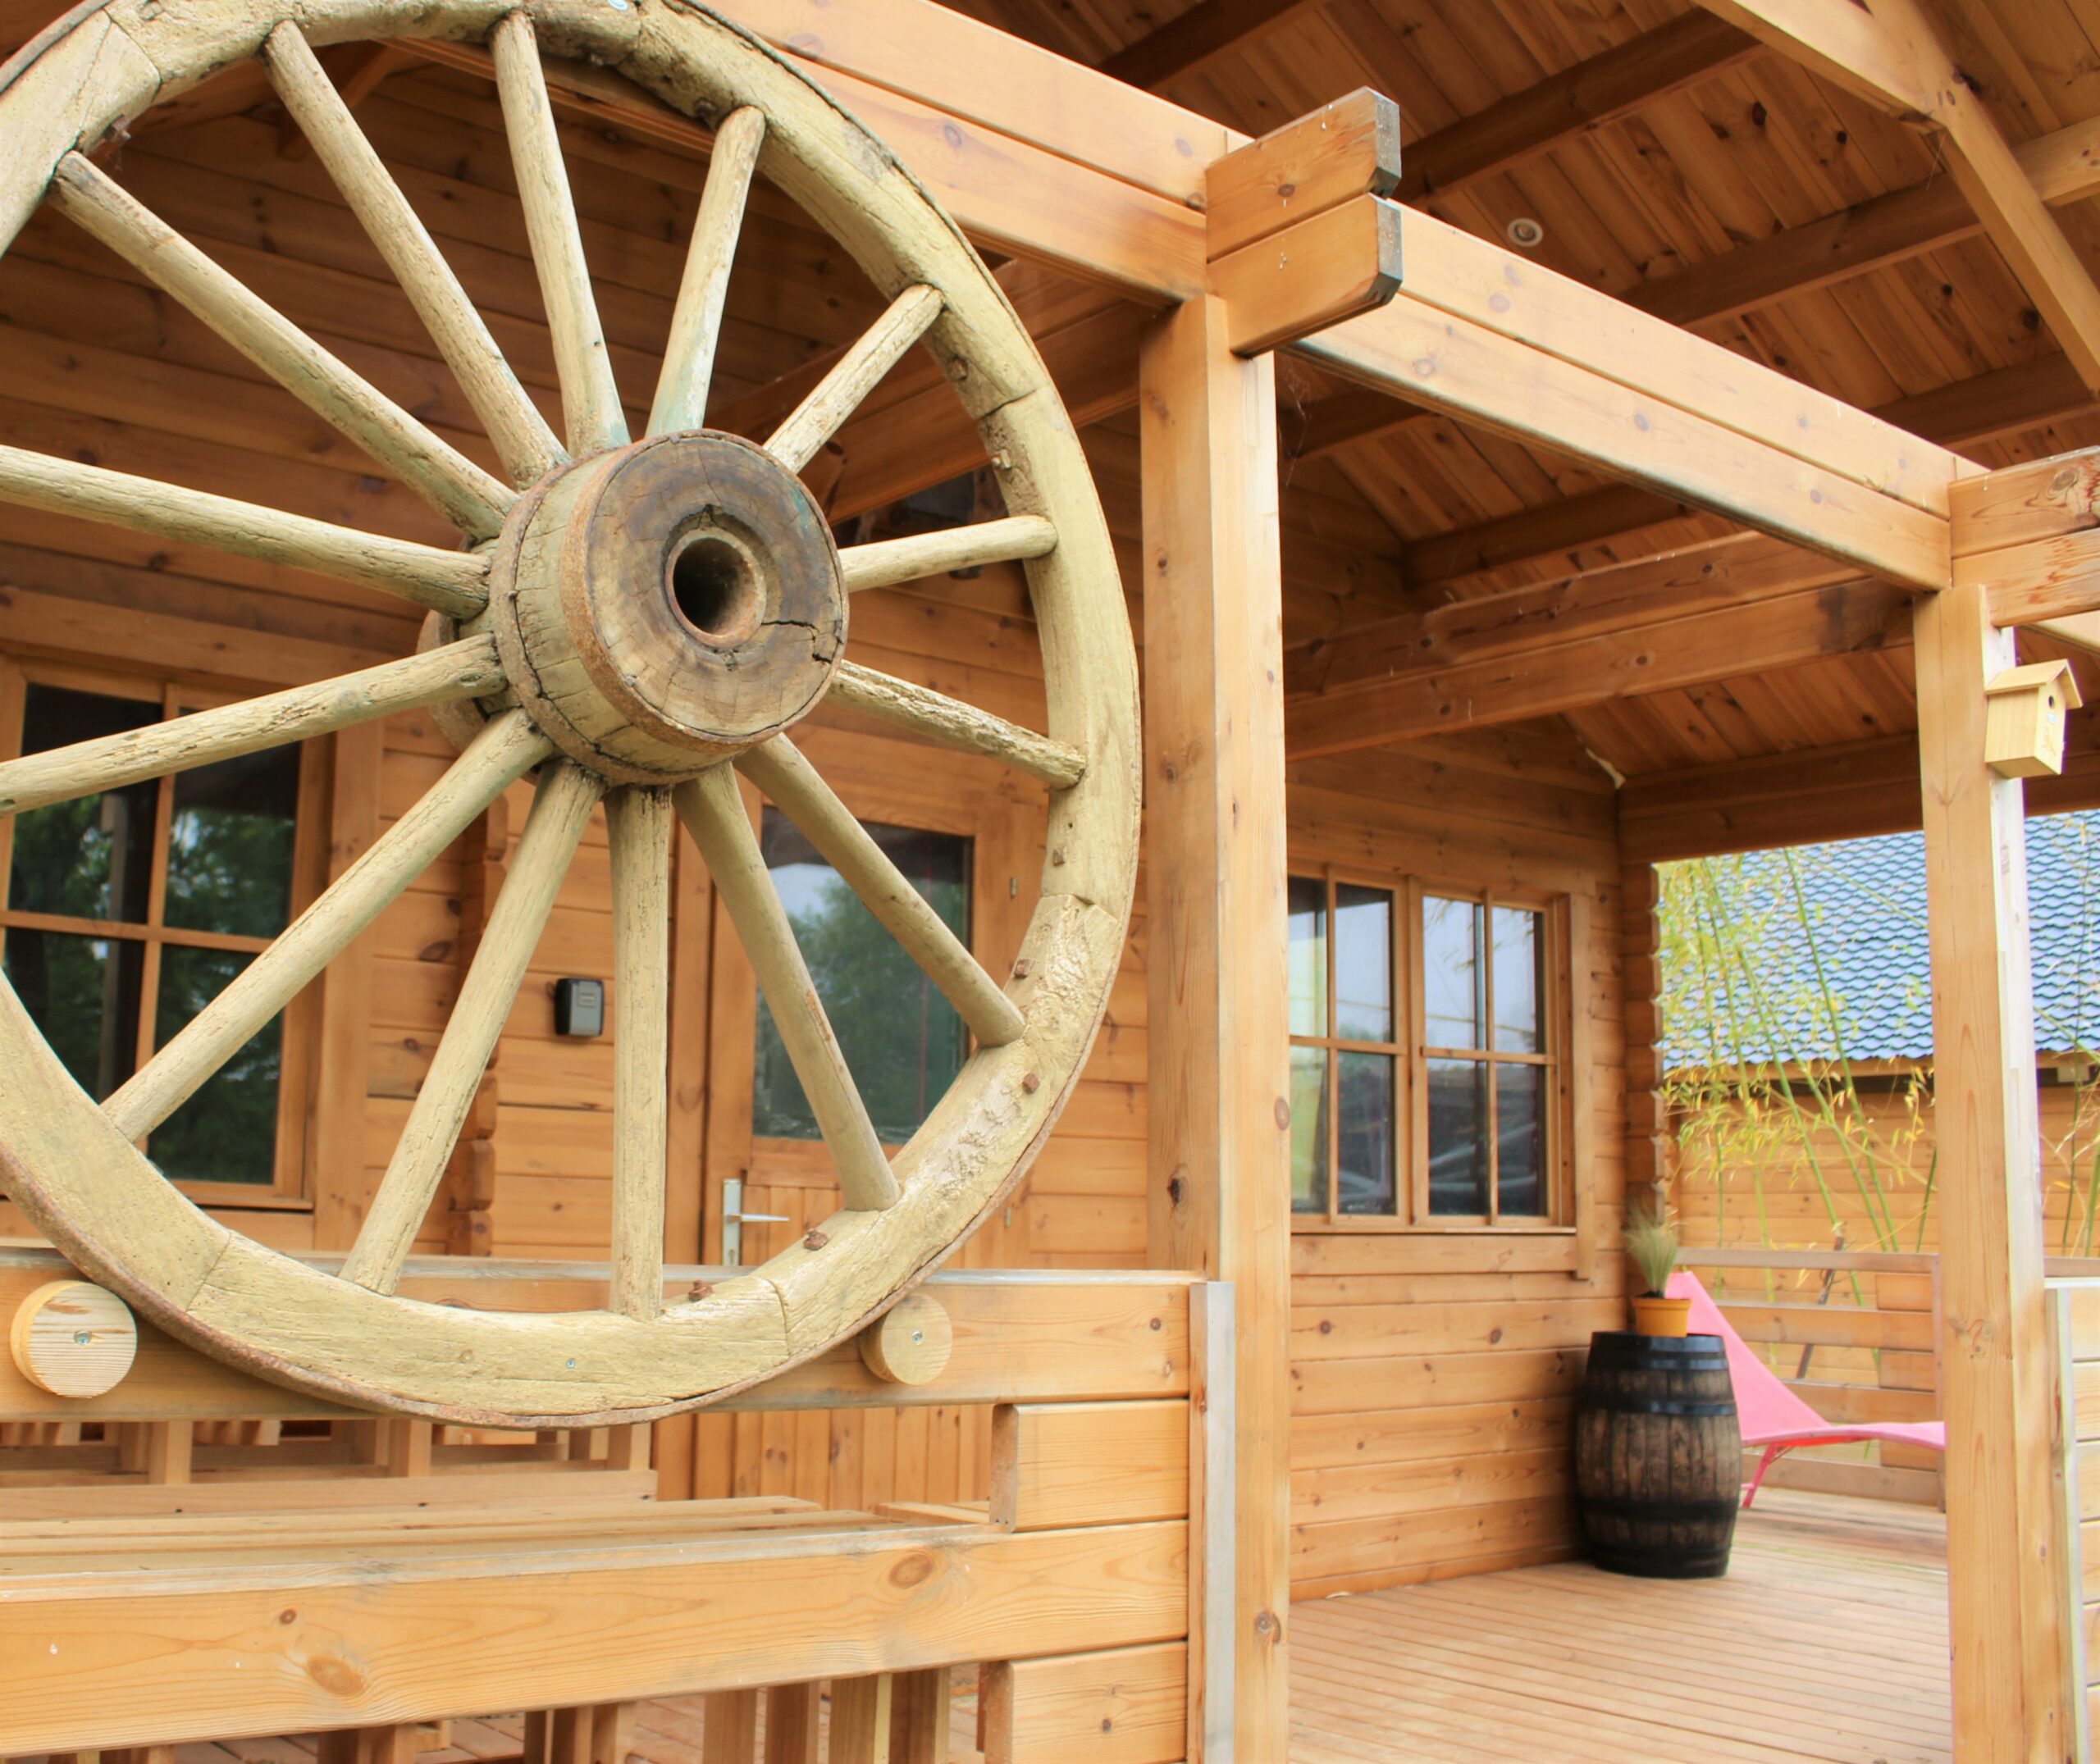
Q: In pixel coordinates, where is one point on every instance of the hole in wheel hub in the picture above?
(665, 606)
(715, 586)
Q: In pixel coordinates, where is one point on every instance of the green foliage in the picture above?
(1760, 1082)
(1651, 1246)
(902, 1040)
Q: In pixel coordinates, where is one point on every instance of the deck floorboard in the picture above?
(1826, 1641)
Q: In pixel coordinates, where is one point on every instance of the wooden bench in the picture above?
(154, 1591)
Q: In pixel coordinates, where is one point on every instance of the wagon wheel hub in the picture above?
(667, 605)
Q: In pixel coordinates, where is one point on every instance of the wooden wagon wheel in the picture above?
(631, 617)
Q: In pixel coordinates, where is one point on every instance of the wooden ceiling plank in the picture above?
(1894, 57)
(1693, 48)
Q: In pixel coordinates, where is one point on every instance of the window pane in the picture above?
(1309, 957)
(91, 858)
(1308, 1130)
(1519, 1142)
(1458, 1136)
(230, 845)
(228, 1131)
(1363, 964)
(1517, 1029)
(1451, 972)
(902, 1040)
(1366, 1082)
(82, 993)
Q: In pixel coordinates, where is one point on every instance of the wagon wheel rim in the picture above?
(532, 666)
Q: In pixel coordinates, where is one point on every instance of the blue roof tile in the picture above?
(1865, 899)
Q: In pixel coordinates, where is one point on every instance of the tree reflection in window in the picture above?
(126, 913)
(901, 1040)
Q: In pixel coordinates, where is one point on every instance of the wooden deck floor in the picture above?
(1827, 1640)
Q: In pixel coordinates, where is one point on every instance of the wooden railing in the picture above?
(1854, 1333)
(2075, 1326)
(176, 1549)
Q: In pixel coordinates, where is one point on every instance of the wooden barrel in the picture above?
(1658, 1455)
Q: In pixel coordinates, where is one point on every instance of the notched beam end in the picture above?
(1344, 150)
(1330, 268)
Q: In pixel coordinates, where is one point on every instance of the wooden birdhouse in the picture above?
(2023, 730)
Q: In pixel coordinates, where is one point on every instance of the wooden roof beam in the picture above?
(1894, 57)
(1685, 52)
(1517, 669)
(1208, 31)
(1852, 790)
(2004, 401)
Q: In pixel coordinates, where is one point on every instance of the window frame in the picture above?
(290, 1184)
(1411, 1215)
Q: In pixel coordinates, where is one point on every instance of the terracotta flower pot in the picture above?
(1654, 1315)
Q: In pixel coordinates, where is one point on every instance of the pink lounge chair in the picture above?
(1772, 1416)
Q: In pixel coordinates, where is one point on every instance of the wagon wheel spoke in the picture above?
(505, 751)
(452, 582)
(949, 723)
(561, 810)
(886, 561)
(696, 324)
(853, 377)
(466, 669)
(713, 811)
(528, 446)
(638, 828)
(589, 399)
(467, 494)
(779, 768)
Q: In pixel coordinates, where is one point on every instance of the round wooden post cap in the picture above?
(73, 1338)
(911, 1342)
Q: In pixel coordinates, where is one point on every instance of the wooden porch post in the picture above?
(1214, 860)
(1995, 1352)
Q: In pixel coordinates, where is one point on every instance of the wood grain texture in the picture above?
(688, 368)
(1218, 1118)
(398, 440)
(466, 669)
(1996, 1359)
(591, 400)
(455, 583)
(527, 445)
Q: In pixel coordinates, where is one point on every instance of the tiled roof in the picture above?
(1865, 899)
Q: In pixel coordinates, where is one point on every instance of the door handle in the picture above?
(734, 1219)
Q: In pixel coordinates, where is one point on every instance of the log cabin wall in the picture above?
(1433, 1371)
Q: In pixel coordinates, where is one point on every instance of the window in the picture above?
(124, 913)
(902, 1039)
(1425, 1056)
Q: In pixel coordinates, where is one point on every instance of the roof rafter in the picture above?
(1194, 39)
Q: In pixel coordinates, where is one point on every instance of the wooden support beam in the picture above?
(2003, 401)
(1524, 678)
(1309, 275)
(1850, 792)
(1894, 57)
(1338, 153)
(1996, 1369)
(1740, 571)
(1494, 341)
(1220, 1122)
(1205, 33)
(1684, 52)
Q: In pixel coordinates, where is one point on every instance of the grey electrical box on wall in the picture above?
(579, 1007)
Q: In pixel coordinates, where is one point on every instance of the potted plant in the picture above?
(1651, 1246)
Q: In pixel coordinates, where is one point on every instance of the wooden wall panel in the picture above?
(1433, 1374)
